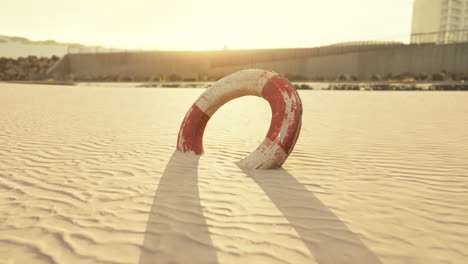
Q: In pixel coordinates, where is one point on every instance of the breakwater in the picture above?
(25, 68)
(347, 86)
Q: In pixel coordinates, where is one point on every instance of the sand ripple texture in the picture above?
(89, 175)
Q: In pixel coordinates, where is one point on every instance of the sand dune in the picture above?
(90, 175)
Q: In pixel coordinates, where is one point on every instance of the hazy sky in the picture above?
(206, 24)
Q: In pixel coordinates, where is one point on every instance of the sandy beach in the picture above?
(90, 175)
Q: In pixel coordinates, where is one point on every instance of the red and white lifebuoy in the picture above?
(285, 123)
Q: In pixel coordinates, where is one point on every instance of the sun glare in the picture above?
(207, 24)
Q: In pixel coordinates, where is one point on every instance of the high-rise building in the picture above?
(440, 21)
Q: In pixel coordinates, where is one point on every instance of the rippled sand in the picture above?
(89, 175)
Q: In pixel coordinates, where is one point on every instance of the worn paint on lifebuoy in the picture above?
(285, 123)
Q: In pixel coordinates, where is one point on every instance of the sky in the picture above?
(206, 24)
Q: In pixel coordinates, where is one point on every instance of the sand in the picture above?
(90, 175)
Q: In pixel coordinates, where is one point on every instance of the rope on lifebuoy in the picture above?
(285, 123)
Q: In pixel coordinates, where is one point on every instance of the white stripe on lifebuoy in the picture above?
(248, 82)
(286, 115)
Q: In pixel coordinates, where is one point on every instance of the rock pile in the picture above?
(25, 68)
(404, 77)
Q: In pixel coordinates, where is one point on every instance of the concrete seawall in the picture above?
(363, 64)
(310, 63)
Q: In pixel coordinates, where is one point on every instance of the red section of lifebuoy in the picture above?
(274, 92)
(191, 131)
(285, 123)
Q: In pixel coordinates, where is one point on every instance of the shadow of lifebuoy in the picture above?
(176, 231)
(328, 239)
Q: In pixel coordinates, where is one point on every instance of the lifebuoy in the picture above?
(285, 123)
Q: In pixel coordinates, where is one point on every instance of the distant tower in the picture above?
(439, 21)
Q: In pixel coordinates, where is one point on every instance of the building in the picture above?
(440, 21)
